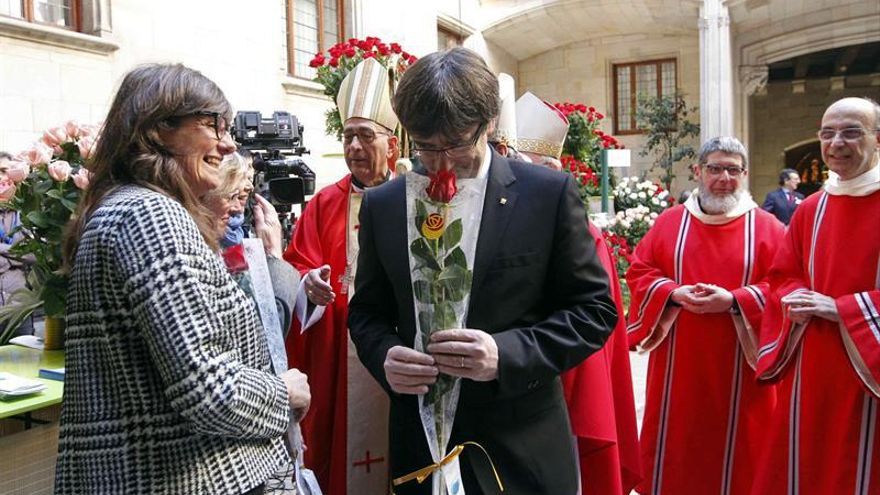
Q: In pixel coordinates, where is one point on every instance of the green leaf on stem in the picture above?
(422, 289)
(39, 219)
(421, 215)
(457, 258)
(425, 325)
(452, 236)
(444, 316)
(420, 249)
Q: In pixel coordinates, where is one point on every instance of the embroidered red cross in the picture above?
(368, 461)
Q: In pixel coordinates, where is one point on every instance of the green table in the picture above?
(26, 362)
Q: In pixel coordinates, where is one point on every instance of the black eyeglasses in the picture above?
(452, 152)
(219, 124)
(732, 170)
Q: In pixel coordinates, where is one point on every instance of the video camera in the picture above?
(276, 143)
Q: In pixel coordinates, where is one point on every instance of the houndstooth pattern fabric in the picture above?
(168, 385)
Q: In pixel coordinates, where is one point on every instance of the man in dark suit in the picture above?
(539, 301)
(783, 201)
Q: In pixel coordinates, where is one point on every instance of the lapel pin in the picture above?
(503, 201)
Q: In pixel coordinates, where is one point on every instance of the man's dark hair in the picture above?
(446, 92)
(785, 174)
(5, 156)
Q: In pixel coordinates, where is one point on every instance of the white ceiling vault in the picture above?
(525, 28)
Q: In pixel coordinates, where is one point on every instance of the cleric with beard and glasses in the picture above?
(698, 285)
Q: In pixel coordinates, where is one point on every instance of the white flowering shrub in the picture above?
(631, 192)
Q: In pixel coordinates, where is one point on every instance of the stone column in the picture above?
(752, 81)
(716, 79)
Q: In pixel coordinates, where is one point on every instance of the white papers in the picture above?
(16, 386)
(31, 341)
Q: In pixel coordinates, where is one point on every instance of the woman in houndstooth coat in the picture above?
(168, 387)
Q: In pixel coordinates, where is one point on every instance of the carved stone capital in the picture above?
(753, 78)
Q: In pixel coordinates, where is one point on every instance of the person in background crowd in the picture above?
(783, 201)
(684, 196)
(13, 271)
(502, 136)
(699, 282)
(167, 367)
(819, 339)
(324, 249)
(227, 202)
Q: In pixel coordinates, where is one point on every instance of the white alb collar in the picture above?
(862, 185)
(745, 204)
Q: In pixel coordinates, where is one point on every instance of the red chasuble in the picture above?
(823, 435)
(704, 410)
(339, 457)
(599, 394)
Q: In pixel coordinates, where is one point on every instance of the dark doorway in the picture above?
(807, 160)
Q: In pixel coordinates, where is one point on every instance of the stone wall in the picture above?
(582, 72)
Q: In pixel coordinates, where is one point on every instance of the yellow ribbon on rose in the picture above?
(421, 475)
(433, 226)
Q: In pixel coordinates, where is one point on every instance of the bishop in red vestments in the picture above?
(599, 391)
(599, 395)
(821, 335)
(345, 430)
(698, 292)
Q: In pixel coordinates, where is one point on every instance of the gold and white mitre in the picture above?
(505, 127)
(366, 93)
(540, 127)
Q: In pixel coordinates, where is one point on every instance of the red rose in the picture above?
(234, 259)
(369, 55)
(353, 41)
(349, 52)
(395, 48)
(412, 59)
(442, 187)
(334, 62)
(599, 116)
(317, 61)
(382, 48)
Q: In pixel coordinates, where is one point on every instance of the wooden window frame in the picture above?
(291, 30)
(658, 63)
(450, 32)
(27, 9)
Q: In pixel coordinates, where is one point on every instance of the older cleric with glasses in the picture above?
(325, 250)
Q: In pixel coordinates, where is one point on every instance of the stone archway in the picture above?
(760, 46)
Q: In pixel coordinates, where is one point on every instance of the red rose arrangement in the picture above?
(343, 57)
(582, 151)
